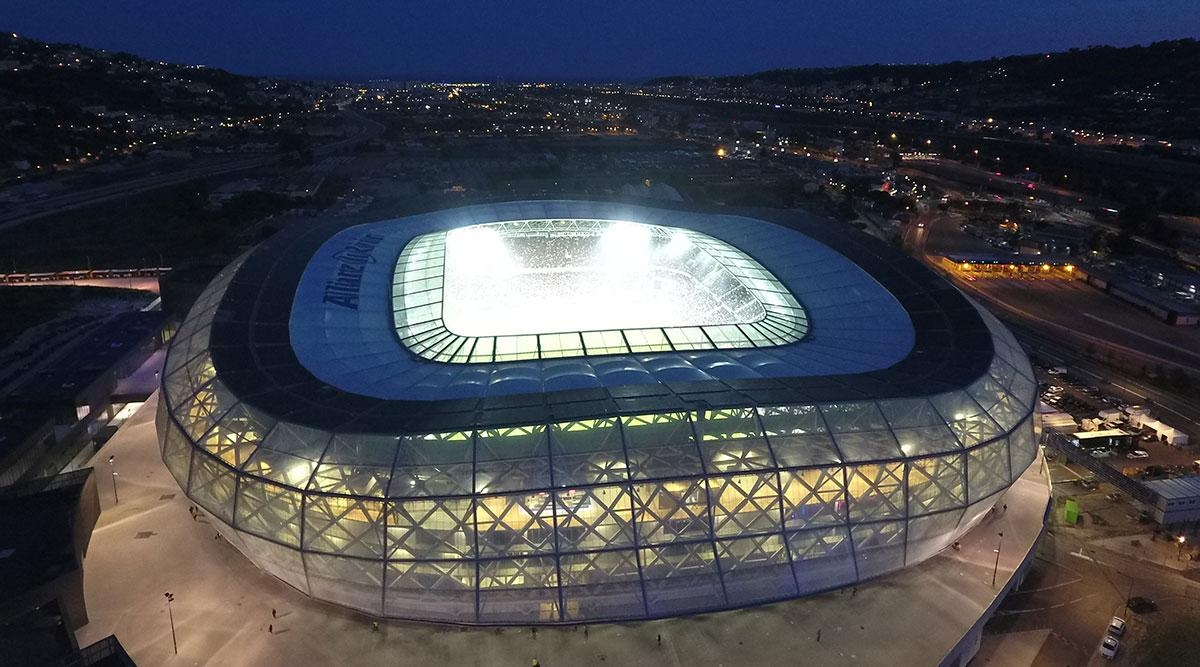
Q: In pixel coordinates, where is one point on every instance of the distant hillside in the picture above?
(63, 102)
(1097, 82)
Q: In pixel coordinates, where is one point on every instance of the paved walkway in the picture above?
(148, 545)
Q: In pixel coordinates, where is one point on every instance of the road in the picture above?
(1082, 577)
(1061, 310)
(22, 214)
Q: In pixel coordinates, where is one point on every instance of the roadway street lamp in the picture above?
(996, 567)
(1182, 539)
(113, 470)
(171, 615)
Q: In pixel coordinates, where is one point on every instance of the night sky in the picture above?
(618, 40)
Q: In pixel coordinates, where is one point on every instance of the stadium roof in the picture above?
(871, 323)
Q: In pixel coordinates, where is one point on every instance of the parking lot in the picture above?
(1141, 456)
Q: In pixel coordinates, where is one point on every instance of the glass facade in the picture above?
(621, 516)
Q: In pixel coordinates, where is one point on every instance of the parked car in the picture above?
(1109, 647)
(1137, 454)
(1054, 389)
(1116, 627)
(1141, 605)
(1102, 453)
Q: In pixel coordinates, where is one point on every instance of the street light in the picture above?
(1182, 539)
(171, 615)
(996, 567)
(112, 468)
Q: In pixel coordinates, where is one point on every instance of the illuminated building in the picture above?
(564, 411)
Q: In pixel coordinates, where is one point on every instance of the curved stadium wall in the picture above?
(646, 508)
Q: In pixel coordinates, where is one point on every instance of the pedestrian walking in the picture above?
(660, 640)
(273, 612)
(271, 629)
(818, 635)
(1006, 509)
(585, 632)
(374, 626)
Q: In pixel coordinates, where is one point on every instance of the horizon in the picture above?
(573, 44)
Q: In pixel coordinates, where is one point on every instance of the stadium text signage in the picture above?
(342, 289)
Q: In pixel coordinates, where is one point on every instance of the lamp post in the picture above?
(171, 615)
(1182, 540)
(112, 468)
(996, 567)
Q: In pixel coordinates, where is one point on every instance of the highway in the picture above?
(1064, 321)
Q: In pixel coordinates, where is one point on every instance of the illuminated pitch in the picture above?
(534, 289)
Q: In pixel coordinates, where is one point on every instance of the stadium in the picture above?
(545, 412)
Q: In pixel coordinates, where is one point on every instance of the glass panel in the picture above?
(212, 485)
(279, 467)
(987, 469)
(236, 435)
(680, 578)
(813, 497)
(442, 591)
(341, 525)
(860, 431)
(511, 459)
(601, 585)
(822, 558)
(798, 435)
(878, 548)
(594, 518)
(1022, 448)
(519, 589)
(928, 535)
(756, 569)
(431, 529)
(587, 452)
(918, 427)
(671, 510)
(968, 421)
(269, 510)
(299, 441)
(744, 504)
(876, 491)
(732, 441)
(519, 523)
(435, 464)
(661, 445)
(278, 560)
(177, 453)
(935, 483)
(352, 582)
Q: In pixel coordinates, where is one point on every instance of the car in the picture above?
(1054, 389)
(1137, 454)
(1057, 370)
(1109, 647)
(1116, 627)
(1141, 605)
(1101, 453)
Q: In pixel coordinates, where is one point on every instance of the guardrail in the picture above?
(82, 274)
